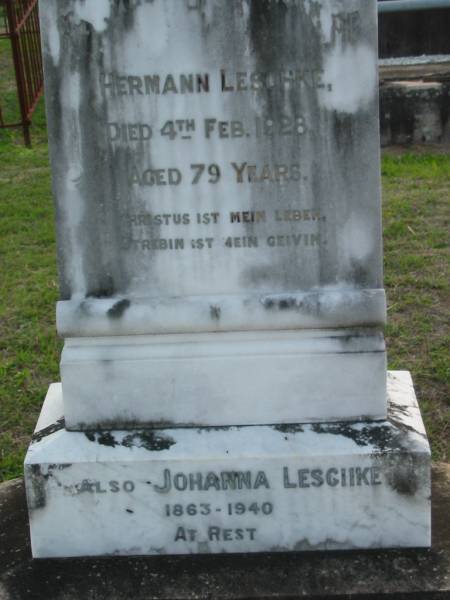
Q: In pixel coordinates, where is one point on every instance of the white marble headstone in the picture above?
(216, 169)
(216, 175)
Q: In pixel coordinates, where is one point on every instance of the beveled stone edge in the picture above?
(317, 309)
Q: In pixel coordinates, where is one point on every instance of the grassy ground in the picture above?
(416, 201)
(416, 191)
(29, 348)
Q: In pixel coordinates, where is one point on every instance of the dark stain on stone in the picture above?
(266, 28)
(284, 304)
(289, 428)
(119, 308)
(138, 439)
(128, 510)
(107, 439)
(59, 466)
(107, 290)
(215, 311)
(212, 428)
(306, 545)
(359, 275)
(36, 495)
(84, 309)
(343, 130)
(404, 482)
(383, 437)
(148, 440)
(310, 304)
(125, 10)
(395, 414)
(130, 424)
(43, 433)
(407, 472)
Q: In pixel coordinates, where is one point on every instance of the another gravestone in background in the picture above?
(414, 46)
(216, 175)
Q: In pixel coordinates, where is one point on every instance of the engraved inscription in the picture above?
(227, 505)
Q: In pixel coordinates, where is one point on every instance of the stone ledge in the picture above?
(392, 574)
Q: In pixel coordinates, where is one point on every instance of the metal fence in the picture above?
(21, 25)
(410, 5)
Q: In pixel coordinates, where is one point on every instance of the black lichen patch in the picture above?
(310, 304)
(118, 309)
(383, 436)
(407, 472)
(289, 428)
(105, 290)
(36, 495)
(107, 439)
(284, 303)
(395, 414)
(138, 439)
(305, 545)
(148, 440)
(404, 482)
(212, 428)
(359, 275)
(267, 29)
(215, 311)
(43, 433)
(59, 466)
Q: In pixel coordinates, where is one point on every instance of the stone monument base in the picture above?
(226, 490)
(229, 378)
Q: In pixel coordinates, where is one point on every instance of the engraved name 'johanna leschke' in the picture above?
(254, 480)
(289, 478)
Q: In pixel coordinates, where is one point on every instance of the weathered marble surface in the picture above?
(216, 169)
(394, 574)
(235, 378)
(278, 102)
(323, 486)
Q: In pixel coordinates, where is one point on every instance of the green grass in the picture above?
(416, 237)
(29, 348)
(416, 201)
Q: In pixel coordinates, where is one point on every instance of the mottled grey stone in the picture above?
(299, 81)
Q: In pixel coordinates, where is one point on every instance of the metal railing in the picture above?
(408, 5)
(21, 26)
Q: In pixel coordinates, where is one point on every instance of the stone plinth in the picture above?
(353, 575)
(234, 489)
(244, 378)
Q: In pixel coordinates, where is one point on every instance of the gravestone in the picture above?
(223, 379)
